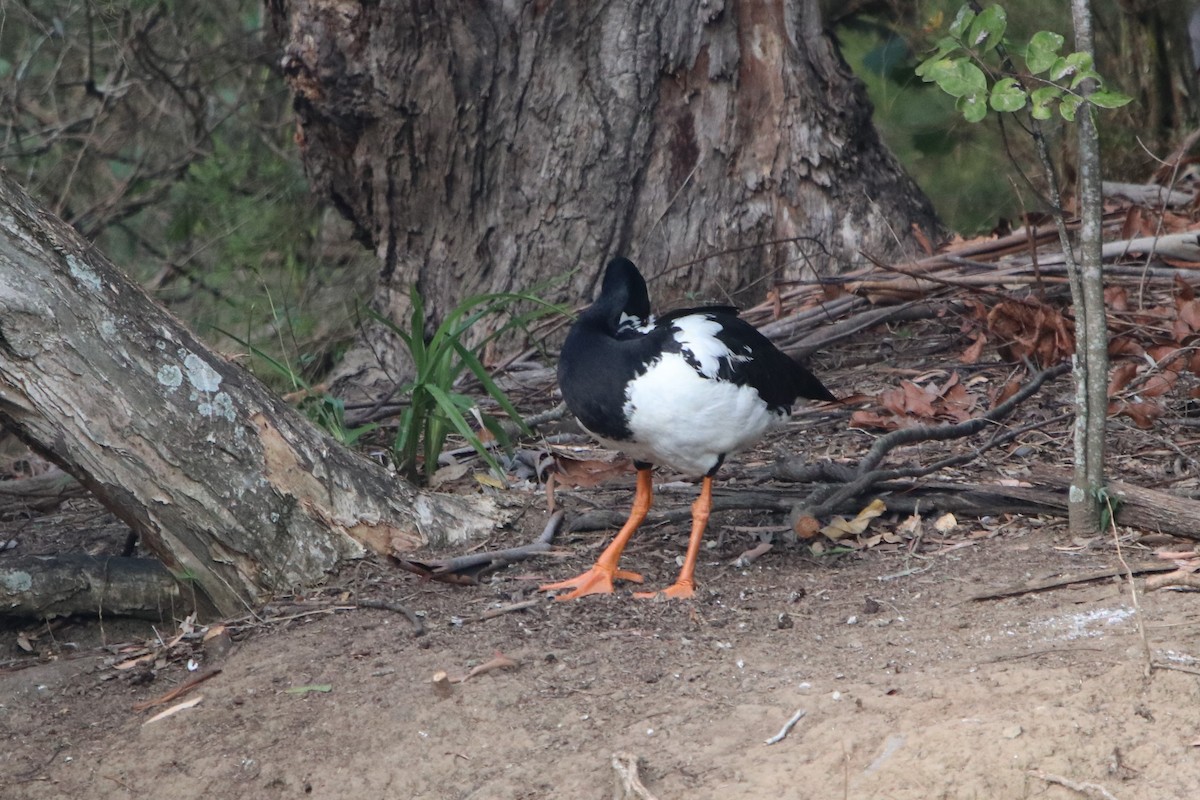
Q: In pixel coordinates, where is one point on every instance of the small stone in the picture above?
(1012, 732)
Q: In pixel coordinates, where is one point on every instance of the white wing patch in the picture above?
(697, 334)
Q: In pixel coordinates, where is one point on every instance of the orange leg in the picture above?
(599, 579)
(685, 584)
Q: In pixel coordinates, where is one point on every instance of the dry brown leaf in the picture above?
(975, 351)
(1122, 374)
(873, 419)
(1131, 227)
(1142, 414)
(587, 473)
(945, 523)
(1031, 330)
(1159, 384)
(840, 528)
(1009, 389)
(922, 239)
(1116, 297)
(1183, 289)
(910, 527)
(1124, 346)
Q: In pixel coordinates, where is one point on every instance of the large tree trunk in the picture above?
(230, 487)
(487, 146)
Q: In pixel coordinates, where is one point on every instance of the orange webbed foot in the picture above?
(596, 580)
(677, 591)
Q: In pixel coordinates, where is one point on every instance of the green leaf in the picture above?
(1069, 105)
(1070, 64)
(1042, 98)
(1106, 99)
(491, 388)
(962, 21)
(1043, 51)
(1083, 75)
(1007, 95)
(973, 107)
(945, 46)
(987, 30)
(459, 422)
(957, 77)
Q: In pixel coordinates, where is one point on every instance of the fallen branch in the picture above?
(175, 709)
(787, 728)
(753, 554)
(499, 661)
(391, 605)
(1177, 577)
(50, 586)
(178, 691)
(492, 613)
(469, 569)
(1073, 579)
(824, 500)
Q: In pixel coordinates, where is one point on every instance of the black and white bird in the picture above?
(683, 390)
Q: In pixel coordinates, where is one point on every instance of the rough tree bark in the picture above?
(227, 485)
(488, 146)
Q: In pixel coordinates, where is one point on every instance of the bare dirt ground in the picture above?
(909, 688)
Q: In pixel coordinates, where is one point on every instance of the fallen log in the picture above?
(43, 587)
(220, 478)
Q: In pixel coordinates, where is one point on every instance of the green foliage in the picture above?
(435, 408)
(961, 67)
(958, 165)
(162, 134)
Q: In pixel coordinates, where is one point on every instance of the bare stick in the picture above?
(178, 691)
(508, 609)
(500, 661)
(753, 554)
(390, 605)
(1178, 577)
(1088, 789)
(1071, 580)
(468, 569)
(628, 784)
(1147, 654)
(787, 727)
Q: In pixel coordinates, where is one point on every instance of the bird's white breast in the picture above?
(684, 420)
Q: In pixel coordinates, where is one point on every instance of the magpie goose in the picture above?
(683, 390)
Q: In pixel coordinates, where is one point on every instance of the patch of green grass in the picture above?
(435, 408)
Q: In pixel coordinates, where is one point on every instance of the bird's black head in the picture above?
(623, 291)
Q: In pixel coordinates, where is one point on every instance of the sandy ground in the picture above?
(909, 688)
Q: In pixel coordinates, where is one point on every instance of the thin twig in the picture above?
(492, 613)
(499, 661)
(1147, 655)
(178, 691)
(1089, 789)
(391, 605)
(787, 727)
